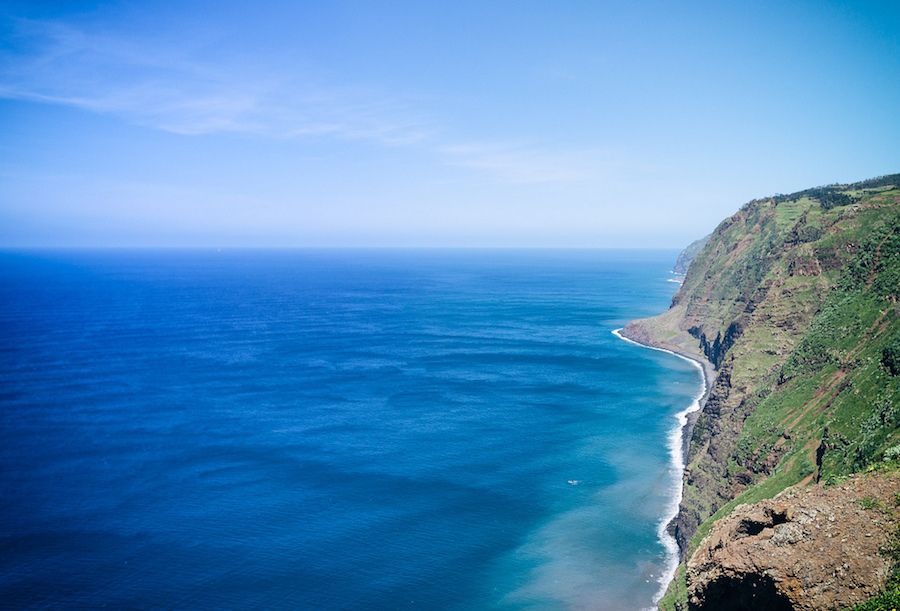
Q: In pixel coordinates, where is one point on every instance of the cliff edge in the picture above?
(807, 549)
(793, 301)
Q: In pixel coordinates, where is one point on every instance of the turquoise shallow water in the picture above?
(361, 429)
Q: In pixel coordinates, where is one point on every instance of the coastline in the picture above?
(679, 445)
(635, 333)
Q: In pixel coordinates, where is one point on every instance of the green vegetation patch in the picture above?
(788, 212)
(890, 357)
(677, 590)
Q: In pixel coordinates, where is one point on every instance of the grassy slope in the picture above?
(802, 299)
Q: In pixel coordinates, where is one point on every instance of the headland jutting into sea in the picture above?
(792, 305)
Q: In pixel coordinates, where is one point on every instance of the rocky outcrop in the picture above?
(810, 548)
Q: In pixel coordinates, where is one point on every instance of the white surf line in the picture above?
(677, 468)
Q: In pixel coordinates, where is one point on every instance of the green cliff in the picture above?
(688, 254)
(793, 300)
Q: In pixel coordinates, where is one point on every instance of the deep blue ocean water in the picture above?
(334, 429)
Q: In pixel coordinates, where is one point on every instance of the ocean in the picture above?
(335, 429)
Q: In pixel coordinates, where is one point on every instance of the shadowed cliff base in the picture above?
(745, 593)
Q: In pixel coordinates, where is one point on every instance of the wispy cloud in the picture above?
(168, 88)
(186, 89)
(522, 163)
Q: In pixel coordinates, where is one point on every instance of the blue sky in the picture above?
(527, 124)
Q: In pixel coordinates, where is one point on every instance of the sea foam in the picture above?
(676, 452)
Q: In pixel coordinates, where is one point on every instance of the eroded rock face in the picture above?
(809, 548)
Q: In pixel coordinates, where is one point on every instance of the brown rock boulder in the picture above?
(809, 548)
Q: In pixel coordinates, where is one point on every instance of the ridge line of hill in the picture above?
(793, 301)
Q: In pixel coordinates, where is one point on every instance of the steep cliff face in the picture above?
(793, 300)
(688, 254)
